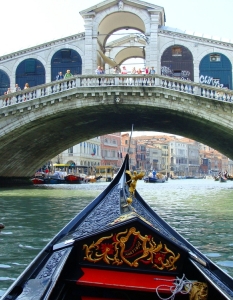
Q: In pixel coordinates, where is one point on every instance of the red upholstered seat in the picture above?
(125, 280)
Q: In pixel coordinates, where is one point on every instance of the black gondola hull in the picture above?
(115, 249)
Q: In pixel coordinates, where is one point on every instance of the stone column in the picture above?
(196, 71)
(152, 43)
(88, 61)
(107, 67)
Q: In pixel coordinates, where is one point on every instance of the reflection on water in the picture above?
(199, 209)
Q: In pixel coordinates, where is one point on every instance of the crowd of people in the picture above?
(146, 70)
(118, 70)
(16, 89)
(100, 70)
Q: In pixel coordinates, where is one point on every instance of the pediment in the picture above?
(109, 3)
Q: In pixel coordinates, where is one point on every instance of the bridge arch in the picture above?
(114, 19)
(217, 66)
(30, 70)
(177, 61)
(117, 21)
(64, 59)
(4, 82)
(79, 115)
(129, 52)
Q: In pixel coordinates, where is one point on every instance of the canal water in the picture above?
(199, 209)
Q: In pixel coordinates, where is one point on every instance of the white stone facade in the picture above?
(102, 20)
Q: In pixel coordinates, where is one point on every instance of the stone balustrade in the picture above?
(104, 81)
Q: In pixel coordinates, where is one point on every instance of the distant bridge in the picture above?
(38, 123)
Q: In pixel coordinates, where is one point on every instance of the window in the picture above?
(176, 51)
(177, 73)
(30, 66)
(215, 57)
(71, 150)
(66, 55)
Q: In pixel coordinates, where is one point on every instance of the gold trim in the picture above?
(144, 248)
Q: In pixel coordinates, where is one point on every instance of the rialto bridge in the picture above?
(55, 116)
(47, 119)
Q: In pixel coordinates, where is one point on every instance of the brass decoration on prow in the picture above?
(132, 184)
(133, 249)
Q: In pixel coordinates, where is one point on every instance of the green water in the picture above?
(199, 209)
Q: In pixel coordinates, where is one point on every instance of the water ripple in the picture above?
(200, 210)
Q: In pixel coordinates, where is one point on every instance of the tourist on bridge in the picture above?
(26, 86)
(60, 76)
(8, 100)
(152, 70)
(116, 70)
(98, 71)
(134, 71)
(17, 89)
(124, 70)
(147, 70)
(68, 74)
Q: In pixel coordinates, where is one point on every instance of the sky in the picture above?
(28, 23)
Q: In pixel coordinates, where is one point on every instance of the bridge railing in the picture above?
(106, 81)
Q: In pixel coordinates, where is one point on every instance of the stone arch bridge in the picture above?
(42, 122)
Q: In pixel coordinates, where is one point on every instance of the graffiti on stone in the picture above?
(166, 71)
(210, 81)
(185, 73)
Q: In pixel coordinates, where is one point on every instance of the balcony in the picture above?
(110, 144)
(111, 158)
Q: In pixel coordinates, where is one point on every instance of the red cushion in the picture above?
(125, 280)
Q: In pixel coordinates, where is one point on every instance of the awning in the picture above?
(108, 60)
(61, 165)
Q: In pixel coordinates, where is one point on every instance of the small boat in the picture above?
(93, 178)
(156, 178)
(57, 177)
(118, 248)
(222, 179)
(216, 178)
(149, 179)
(38, 180)
(73, 179)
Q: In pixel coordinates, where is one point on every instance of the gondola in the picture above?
(222, 179)
(119, 248)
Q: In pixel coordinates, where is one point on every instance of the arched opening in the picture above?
(120, 37)
(31, 71)
(66, 59)
(216, 69)
(177, 61)
(118, 21)
(4, 82)
(125, 47)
